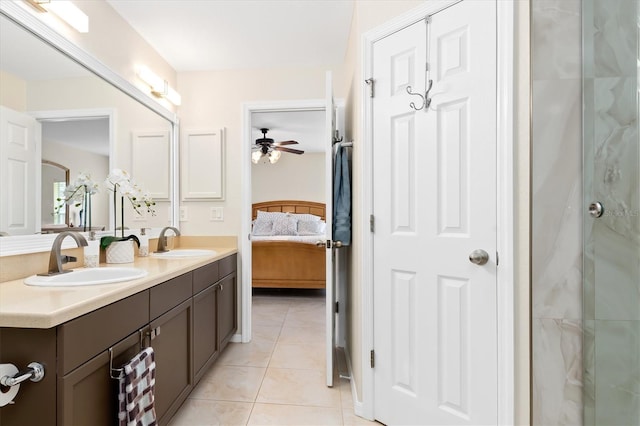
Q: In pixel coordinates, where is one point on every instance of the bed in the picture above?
(288, 261)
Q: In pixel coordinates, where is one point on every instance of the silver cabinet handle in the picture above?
(479, 257)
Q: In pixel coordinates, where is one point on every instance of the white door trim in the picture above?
(506, 204)
(247, 143)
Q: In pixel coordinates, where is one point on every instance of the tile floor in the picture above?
(279, 377)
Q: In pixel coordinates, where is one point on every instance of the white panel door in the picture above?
(19, 173)
(434, 171)
(330, 127)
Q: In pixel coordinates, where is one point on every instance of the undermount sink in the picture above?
(88, 276)
(182, 253)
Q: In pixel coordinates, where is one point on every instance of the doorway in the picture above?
(254, 117)
(82, 141)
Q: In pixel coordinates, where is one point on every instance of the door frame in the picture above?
(245, 229)
(505, 204)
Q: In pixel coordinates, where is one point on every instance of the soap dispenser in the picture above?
(92, 251)
(144, 243)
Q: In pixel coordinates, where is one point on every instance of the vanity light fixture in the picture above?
(64, 10)
(159, 88)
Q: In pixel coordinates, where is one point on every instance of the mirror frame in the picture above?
(29, 22)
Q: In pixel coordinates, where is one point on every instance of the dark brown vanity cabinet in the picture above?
(187, 320)
(88, 395)
(213, 304)
(227, 309)
(205, 318)
(171, 338)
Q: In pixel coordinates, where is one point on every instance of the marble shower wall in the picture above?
(612, 250)
(609, 345)
(557, 212)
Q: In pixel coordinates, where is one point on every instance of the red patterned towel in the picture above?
(136, 391)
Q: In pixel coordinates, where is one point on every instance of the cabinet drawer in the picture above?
(227, 265)
(205, 276)
(169, 294)
(83, 338)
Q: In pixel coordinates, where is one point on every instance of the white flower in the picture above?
(75, 192)
(121, 182)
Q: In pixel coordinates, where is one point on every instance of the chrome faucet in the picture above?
(162, 240)
(56, 258)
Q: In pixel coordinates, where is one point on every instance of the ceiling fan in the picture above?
(268, 147)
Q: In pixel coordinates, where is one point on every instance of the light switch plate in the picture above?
(217, 214)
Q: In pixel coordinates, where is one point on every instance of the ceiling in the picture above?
(304, 127)
(196, 35)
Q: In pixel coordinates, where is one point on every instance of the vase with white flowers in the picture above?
(121, 184)
(79, 194)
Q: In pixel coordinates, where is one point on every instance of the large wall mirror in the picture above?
(86, 119)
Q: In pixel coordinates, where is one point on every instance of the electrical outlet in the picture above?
(217, 214)
(183, 214)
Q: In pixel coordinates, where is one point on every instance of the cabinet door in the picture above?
(171, 340)
(227, 309)
(88, 395)
(205, 330)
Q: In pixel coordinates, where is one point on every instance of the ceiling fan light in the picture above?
(274, 156)
(256, 156)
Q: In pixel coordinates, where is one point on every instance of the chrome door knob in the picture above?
(479, 257)
(337, 244)
(596, 209)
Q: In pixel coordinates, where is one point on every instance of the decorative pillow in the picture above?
(272, 216)
(285, 225)
(322, 227)
(308, 227)
(306, 216)
(262, 227)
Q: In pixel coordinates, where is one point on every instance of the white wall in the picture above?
(13, 92)
(214, 99)
(293, 177)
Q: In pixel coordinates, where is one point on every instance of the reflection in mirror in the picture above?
(75, 118)
(55, 178)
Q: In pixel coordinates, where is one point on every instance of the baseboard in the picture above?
(358, 406)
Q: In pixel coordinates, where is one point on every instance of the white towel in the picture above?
(135, 398)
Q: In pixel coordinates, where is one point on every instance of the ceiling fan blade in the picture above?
(290, 150)
(286, 143)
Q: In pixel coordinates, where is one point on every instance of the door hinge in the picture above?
(372, 83)
(337, 307)
(372, 223)
(249, 237)
(373, 358)
(497, 259)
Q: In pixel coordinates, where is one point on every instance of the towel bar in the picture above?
(120, 371)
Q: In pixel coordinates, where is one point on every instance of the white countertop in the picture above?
(27, 306)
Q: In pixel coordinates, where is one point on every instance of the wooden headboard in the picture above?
(290, 206)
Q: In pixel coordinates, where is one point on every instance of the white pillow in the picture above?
(306, 216)
(285, 225)
(269, 215)
(262, 227)
(308, 227)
